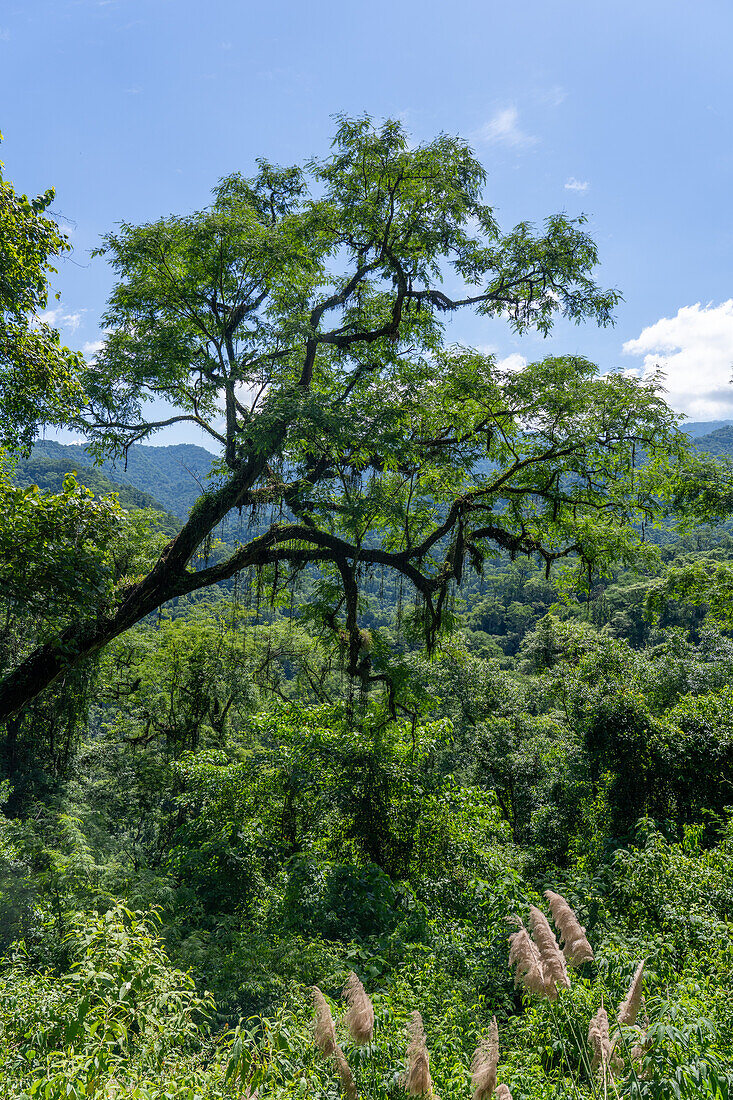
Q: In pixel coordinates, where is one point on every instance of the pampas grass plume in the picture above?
(600, 1039)
(639, 1048)
(629, 1008)
(575, 946)
(484, 1064)
(553, 962)
(417, 1080)
(360, 1014)
(344, 1071)
(524, 957)
(324, 1033)
(603, 1046)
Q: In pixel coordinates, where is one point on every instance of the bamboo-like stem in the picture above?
(563, 1052)
(582, 1049)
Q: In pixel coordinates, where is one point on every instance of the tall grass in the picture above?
(541, 959)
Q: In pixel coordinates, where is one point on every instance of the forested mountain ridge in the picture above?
(175, 474)
(697, 428)
(48, 475)
(718, 442)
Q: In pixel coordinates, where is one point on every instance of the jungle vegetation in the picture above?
(433, 647)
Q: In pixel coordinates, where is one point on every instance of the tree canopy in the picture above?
(300, 321)
(38, 376)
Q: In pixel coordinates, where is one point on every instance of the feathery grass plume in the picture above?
(360, 1013)
(324, 1033)
(629, 1008)
(484, 1064)
(344, 1071)
(417, 1079)
(553, 961)
(525, 959)
(602, 1045)
(575, 946)
(502, 1093)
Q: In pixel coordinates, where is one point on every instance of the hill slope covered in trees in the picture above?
(175, 474)
(172, 475)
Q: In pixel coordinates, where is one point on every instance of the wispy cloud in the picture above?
(92, 348)
(694, 351)
(576, 185)
(66, 226)
(553, 97)
(56, 318)
(503, 128)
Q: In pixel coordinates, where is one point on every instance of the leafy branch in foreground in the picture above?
(299, 322)
(39, 381)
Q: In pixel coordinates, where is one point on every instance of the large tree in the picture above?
(300, 322)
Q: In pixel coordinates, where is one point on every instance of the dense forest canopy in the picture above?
(304, 308)
(432, 650)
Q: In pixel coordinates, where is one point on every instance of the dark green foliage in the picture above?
(38, 376)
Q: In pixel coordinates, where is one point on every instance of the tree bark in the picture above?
(168, 578)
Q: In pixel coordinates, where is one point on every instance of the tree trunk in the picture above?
(167, 579)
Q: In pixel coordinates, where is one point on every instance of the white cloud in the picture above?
(576, 185)
(555, 96)
(503, 128)
(56, 318)
(92, 348)
(694, 350)
(514, 362)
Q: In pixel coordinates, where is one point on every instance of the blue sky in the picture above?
(624, 111)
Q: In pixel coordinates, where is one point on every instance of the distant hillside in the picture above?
(171, 478)
(695, 429)
(173, 475)
(719, 442)
(48, 474)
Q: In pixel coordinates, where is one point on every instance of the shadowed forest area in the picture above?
(386, 747)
